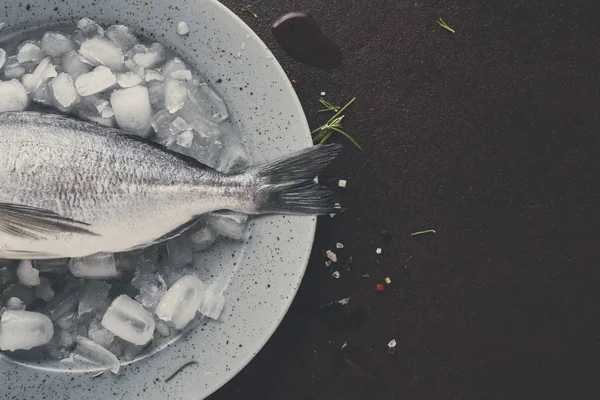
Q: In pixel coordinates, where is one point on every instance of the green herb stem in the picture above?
(423, 232)
(444, 25)
(187, 364)
(249, 11)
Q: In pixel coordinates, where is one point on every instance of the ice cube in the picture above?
(176, 69)
(63, 93)
(175, 95)
(13, 96)
(65, 303)
(160, 123)
(66, 321)
(121, 36)
(100, 51)
(12, 68)
(185, 138)
(25, 293)
(23, 330)
(180, 251)
(2, 58)
(14, 303)
(133, 111)
(130, 351)
(101, 78)
(59, 346)
(44, 290)
(45, 69)
(75, 65)
(150, 284)
(162, 328)
(202, 239)
(128, 79)
(30, 52)
(100, 335)
(86, 113)
(31, 82)
(127, 319)
(156, 92)
(178, 125)
(179, 305)
(153, 75)
(227, 224)
(183, 28)
(97, 266)
(148, 57)
(56, 44)
(208, 103)
(28, 275)
(90, 28)
(212, 304)
(94, 297)
(233, 159)
(132, 66)
(96, 354)
(42, 95)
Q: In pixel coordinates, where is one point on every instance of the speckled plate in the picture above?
(260, 277)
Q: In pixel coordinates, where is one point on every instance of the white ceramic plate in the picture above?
(260, 277)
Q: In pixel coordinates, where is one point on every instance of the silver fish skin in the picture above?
(71, 188)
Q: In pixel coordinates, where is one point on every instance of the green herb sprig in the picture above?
(247, 9)
(324, 132)
(187, 364)
(444, 25)
(423, 232)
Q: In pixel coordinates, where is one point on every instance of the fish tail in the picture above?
(287, 185)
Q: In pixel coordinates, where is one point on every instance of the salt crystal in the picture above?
(337, 206)
(127, 319)
(28, 275)
(147, 57)
(30, 52)
(185, 138)
(56, 44)
(175, 95)
(128, 79)
(13, 96)
(336, 274)
(153, 75)
(202, 238)
(388, 280)
(323, 93)
(90, 28)
(180, 251)
(332, 215)
(179, 305)
(183, 28)
(100, 51)
(121, 35)
(2, 58)
(23, 330)
(331, 255)
(338, 245)
(75, 65)
(178, 125)
(342, 183)
(133, 111)
(14, 303)
(212, 304)
(44, 290)
(150, 284)
(392, 344)
(94, 297)
(97, 266)
(227, 224)
(378, 250)
(63, 92)
(101, 78)
(156, 93)
(96, 354)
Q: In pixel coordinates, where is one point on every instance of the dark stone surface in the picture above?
(489, 136)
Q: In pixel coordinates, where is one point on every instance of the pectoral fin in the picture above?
(30, 222)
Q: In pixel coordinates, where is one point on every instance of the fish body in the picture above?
(71, 188)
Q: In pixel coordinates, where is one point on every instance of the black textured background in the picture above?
(490, 136)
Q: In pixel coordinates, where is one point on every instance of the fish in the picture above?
(70, 188)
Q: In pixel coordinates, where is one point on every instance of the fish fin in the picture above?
(286, 185)
(25, 221)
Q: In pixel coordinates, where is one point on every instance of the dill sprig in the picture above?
(187, 364)
(328, 106)
(247, 9)
(334, 124)
(444, 25)
(97, 375)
